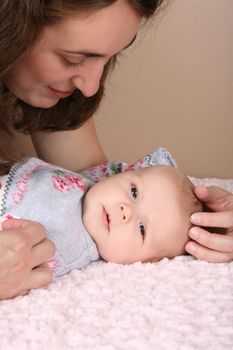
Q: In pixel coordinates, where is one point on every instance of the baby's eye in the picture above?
(134, 191)
(142, 229)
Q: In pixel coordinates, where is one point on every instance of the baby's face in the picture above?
(136, 215)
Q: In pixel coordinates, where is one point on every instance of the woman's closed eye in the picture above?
(74, 65)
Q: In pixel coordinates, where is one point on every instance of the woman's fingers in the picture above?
(26, 238)
(212, 247)
(24, 231)
(211, 219)
(23, 248)
(23, 293)
(206, 254)
(215, 198)
(214, 241)
(24, 252)
(38, 277)
(42, 252)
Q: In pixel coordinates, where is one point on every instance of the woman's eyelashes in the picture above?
(74, 65)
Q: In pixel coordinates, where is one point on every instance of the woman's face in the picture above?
(72, 55)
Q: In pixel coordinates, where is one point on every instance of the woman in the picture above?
(55, 56)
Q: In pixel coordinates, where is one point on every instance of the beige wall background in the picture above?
(174, 88)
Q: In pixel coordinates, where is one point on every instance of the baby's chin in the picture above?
(171, 254)
(117, 258)
(177, 252)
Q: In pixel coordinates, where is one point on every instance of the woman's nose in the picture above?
(125, 213)
(88, 81)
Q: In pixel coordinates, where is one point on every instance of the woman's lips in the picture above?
(106, 219)
(60, 94)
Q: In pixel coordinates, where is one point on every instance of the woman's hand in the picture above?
(24, 252)
(212, 247)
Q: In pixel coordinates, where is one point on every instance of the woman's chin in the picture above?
(43, 103)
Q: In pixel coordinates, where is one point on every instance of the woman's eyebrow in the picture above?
(95, 54)
(84, 53)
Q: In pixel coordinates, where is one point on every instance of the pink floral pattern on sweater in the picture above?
(22, 184)
(61, 180)
(66, 182)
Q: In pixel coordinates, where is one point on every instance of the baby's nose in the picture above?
(125, 213)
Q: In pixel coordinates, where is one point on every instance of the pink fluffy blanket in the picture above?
(181, 304)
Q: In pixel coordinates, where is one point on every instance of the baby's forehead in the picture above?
(160, 182)
(156, 171)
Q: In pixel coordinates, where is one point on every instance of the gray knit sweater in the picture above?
(53, 196)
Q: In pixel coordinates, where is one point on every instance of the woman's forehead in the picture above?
(106, 31)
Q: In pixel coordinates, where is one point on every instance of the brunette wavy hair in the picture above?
(21, 22)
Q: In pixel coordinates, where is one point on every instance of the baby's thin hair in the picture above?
(189, 202)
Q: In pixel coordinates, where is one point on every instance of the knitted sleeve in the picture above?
(156, 157)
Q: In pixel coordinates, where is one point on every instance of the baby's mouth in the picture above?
(106, 219)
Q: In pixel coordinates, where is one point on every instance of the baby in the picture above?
(140, 214)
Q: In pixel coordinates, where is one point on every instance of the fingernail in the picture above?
(195, 218)
(190, 248)
(194, 233)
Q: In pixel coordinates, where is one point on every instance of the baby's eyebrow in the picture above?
(139, 179)
(135, 177)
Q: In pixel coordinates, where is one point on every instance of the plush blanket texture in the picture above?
(180, 304)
